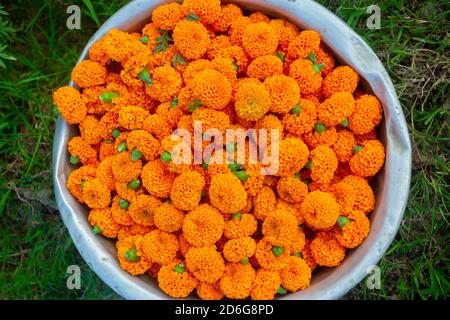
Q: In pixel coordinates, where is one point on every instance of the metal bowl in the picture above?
(391, 185)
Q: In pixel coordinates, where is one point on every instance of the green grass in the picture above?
(35, 248)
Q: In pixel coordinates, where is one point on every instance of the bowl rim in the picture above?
(394, 178)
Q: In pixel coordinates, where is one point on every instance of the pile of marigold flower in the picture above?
(222, 230)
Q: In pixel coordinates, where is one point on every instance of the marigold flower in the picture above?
(205, 263)
(324, 164)
(326, 250)
(237, 280)
(264, 202)
(98, 53)
(284, 92)
(90, 130)
(168, 218)
(237, 29)
(82, 151)
(77, 178)
(191, 38)
(228, 13)
(239, 249)
(70, 105)
(238, 55)
(217, 43)
(240, 225)
(259, 39)
(345, 195)
(266, 285)
(119, 210)
(306, 42)
(342, 78)
(264, 67)
(292, 208)
(142, 209)
(132, 117)
(209, 291)
(95, 194)
(191, 71)
(207, 10)
(170, 112)
(367, 115)
(293, 155)
(296, 275)
(301, 119)
(104, 173)
(157, 126)
(271, 257)
(365, 199)
(227, 67)
(143, 142)
(291, 189)
(89, 74)
(165, 83)
(120, 46)
(361, 138)
(226, 193)
(168, 15)
(279, 228)
(184, 244)
(326, 59)
(351, 231)
(343, 147)
(212, 88)
(129, 257)
(134, 229)
(203, 226)
(102, 219)
(156, 179)
(285, 31)
(186, 190)
(124, 168)
(108, 122)
(320, 210)
(314, 138)
(336, 109)
(160, 247)
(302, 70)
(307, 255)
(175, 280)
(369, 160)
(252, 101)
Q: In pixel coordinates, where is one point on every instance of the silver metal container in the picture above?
(391, 185)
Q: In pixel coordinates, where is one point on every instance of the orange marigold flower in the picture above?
(128, 190)
(186, 190)
(102, 219)
(326, 250)
(324, 164)
(259, 39)
(227, 193)
(124, 168)
(240, 225)
(160, 247)
(70, 105)
(120, 46)
(296, 275)
(285, 31)
(351, 231)
(291, 189)
(309, 80)
(299, 242)
(192, 69)
(120, 212)
(207, 10)
(284, 92)
(367, 115)
(209, 291)
(203, 226)
(301, 119)
(79, 148)
(237, 280)
(280, 228)
(168, 15)
(168, 218)
(77, 178)
(293, 156)
(89, 74)
(365, 199)
(143, 142)
(341, 79)
(345, 195)
(217, 43)
(266, 285)
(315, 138)
(143, 209)
(98, 53)
(361, 138)
(94, 105)
(156, 179)
(165, 83)
(264, 202)
(212, 88)
(132, 117)
(129, 256)
(171, 114)
(237, 29)
(264, 67)
(105, 174)
(184, 244)
(175, 280)
(343, 147)
(205, 263)
(239, 249)
(108, 123)
(191, 38)
(90, 130)
(292, 208)
(306, 42)
(134, 229)
(252, 101)
(271, 257)
(307, 256)
(326, 58)
(369, 160)
(238, 55)
(336, 109)
(227, 67)
(320, 210)
(228, 13)
(158, 126)
(95, 194)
